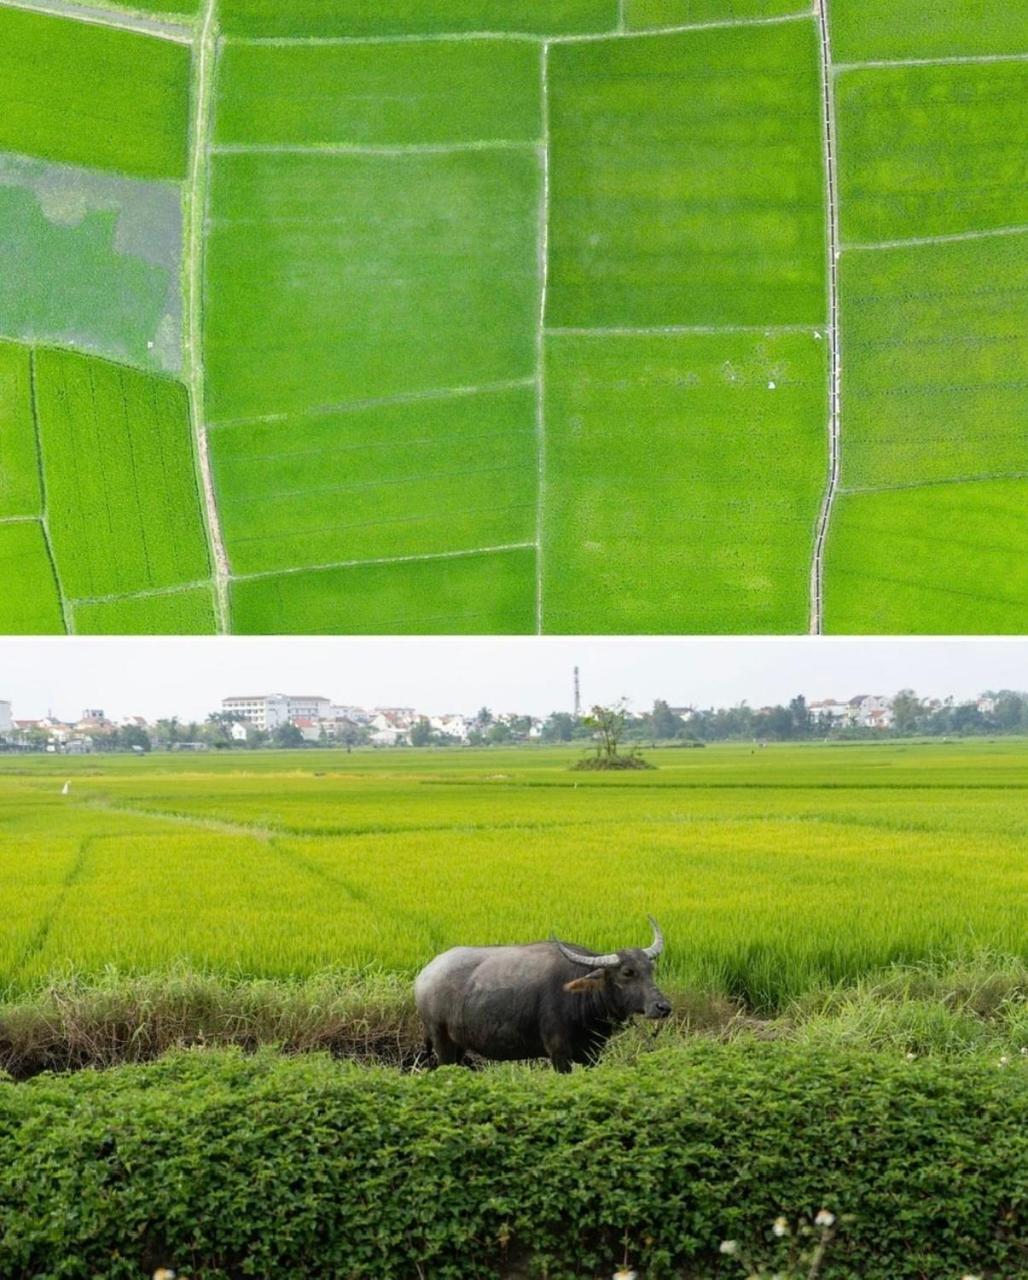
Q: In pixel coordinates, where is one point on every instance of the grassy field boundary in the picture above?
(124, 20)
(66, 611)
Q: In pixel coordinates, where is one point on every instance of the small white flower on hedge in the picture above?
(780, 1227)
(164, 1273)
(825, 1218)
(623, 1273)
(731, 1247)
(911, 1057)
(1004, 1061)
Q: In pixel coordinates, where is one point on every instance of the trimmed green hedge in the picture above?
(224, 1165)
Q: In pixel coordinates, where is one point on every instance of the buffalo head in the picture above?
(623, 978)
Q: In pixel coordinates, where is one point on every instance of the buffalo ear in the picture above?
(588, 982)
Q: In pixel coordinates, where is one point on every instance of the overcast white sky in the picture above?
(189, 677)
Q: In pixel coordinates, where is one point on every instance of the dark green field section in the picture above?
(869, 29)
(940, 559)
(490, 593)
(452, 91)
(123, 507)
(931, 150)
(682, 480)
(414, 17)
(183, 613)
(20, 493)
(87, 94)
(686, 180)
(420, 477)
(935, 363)
(340, 278)
(29, 603)
(644, 14)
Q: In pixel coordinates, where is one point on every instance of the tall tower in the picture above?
(578, 697)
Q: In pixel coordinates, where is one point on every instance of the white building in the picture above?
(6, 723)
(454, 726)
(269, 710)
(830, 711)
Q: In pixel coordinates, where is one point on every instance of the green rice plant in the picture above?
(185, 612)
(884, 573)
(123, 503)
(667, 199)
(315, 95)
(474, 594)
(951, 163)
(641, 14)
(865, 29)
(19, 458)
(686, 535)
(405, 17)
(35, 607)
(93, 95)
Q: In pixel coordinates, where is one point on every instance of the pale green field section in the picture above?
(183, 613)
(82, 93)
(868, 29)
(414, 17)
(29, 603)
(683, 475)
(931, 150)
(941, 559)
(686, 180)
(20, 492)
(421, 477)
(122, 499)
(380, 94)
(91, 260)
(935, 362)
(642, 15)
(341, 278)
(490, 593)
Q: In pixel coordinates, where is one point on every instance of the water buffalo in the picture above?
(535, 1001)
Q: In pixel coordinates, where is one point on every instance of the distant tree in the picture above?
(608, 726)
(256, 737)
(483, 719)
(906, 712)
(663, 723)
(560, 727)
(169, 731)
(287, 735)
(802, 721)
(131, 736)
(421, 733)
(499, 732)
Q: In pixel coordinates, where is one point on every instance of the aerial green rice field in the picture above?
(643, 303)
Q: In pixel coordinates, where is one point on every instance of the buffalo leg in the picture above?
(447, 1052)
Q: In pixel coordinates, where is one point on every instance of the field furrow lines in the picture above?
(817, 572)
(204, 67)
(984, 478)
(66, 613)
(141, 595)
(176, 32)
(352, 564)
(678, 29)
(841, 67)
(540, 394)
(358, 406)
(672, 330)
(955, 238)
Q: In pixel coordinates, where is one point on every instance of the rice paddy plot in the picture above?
(435, 475)
(20, 493)
(866, 29)
(318, 95)
(29, 603)
(123, 507)
(487, 593)
(92, 261)
(188, 612)
(340, 278)
(931, 150)
(406, 17)
(939, 559)
(935, 364)
(686, 181)
(643, 14)
(86, 94)
(683, 474)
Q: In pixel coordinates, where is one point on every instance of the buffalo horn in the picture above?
(657, 945)
(590, 962)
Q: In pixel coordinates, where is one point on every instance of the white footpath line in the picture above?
(817, 568)
(950, 239)
(985, 478)
(357, 149)
(204, 56)
(142, 595)
(540, 353)
(804, 16)
(356, 564)
(178, 33)
(428, 37)
(841, 67)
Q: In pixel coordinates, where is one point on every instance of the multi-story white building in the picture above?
(6, 723)
(269, 710)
